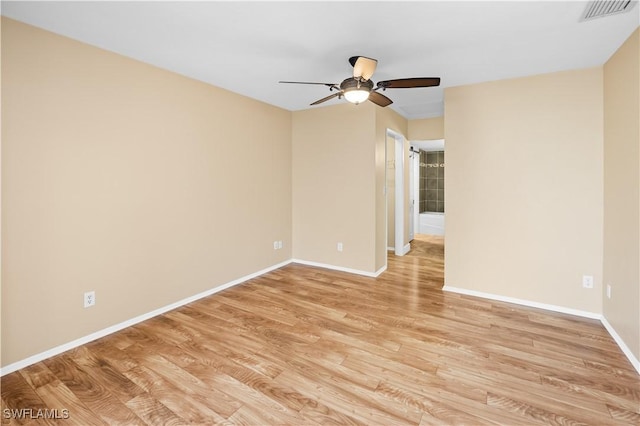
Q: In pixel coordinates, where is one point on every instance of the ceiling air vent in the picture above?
(602, 8)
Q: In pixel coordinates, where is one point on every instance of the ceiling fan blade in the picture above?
(309, 82)
(379, 99)
(363, 67)
(319, 101)
(406, 83)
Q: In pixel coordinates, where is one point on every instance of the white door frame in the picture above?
(415, 173)
(411, 200)
(399, 247)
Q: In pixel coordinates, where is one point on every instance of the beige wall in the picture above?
(621, 191)
(334, 185)
(524, 188)
(386, 118)
(426, 129)
(145, 186)
(122, 178)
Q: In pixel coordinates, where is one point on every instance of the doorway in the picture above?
(430, 175)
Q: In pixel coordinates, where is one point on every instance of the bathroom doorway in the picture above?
(429, 217)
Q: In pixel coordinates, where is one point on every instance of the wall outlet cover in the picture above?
(89, 299)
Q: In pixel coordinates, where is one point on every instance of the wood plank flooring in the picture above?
(307, 346)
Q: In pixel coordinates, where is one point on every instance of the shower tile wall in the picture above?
(432, 181)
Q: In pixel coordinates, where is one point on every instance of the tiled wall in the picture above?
(432, 181)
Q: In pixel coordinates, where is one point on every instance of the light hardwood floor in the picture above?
(307, 346)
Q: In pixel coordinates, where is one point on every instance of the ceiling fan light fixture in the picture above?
(356, 96)
(359, 88)
(356, 91)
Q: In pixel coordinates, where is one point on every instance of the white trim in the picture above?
(380, 271)
(625, 349)
(340, 268)
(133, 321)
(399, 163)
(130, 322)
(429, 145)
(416, 194)
(523, 302)
(405, 249)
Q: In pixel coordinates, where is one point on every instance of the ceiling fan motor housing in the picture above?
(353, 84)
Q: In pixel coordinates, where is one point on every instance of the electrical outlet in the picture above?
(339, 246)
(587, 281)
(608, 291)
(89, 299)
(279, 245)
(275, 245)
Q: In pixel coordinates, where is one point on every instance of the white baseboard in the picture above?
(623, 346)
(616, 337)
(523, 302)
(381, 270)
(128, 323)
(340, 268)
(405, 249)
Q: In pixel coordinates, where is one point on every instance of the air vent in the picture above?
(601, 8)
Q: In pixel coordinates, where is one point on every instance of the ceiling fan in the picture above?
(360, 88)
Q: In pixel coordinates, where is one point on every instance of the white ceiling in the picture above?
(247, 47)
